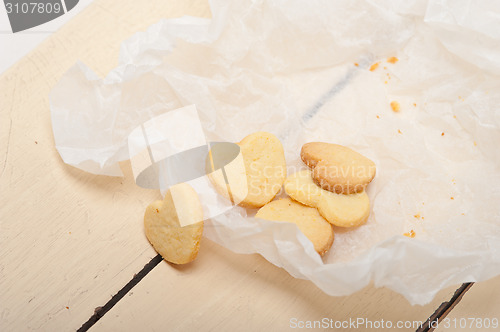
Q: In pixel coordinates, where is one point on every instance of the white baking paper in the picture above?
(301, 70)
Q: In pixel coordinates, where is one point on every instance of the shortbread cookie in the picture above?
(174, 226)
(231, 179)
(337, 168)
(338, 209)
(264, 169)
(309, 221)
(344, 210)
(301, 187)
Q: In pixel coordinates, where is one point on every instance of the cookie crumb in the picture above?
(442, 134)
(395, 106)
(454, 116)
(452, 197)
(374, 66)
(417, 216)
(392, 59)
(157, 211)
(475, 144)
(69, 233)
(356, 64)
(414, 104)
(385, 82)
(67, 307)
(378, 117)
(36, 142)
(411, 234)
(399, 131)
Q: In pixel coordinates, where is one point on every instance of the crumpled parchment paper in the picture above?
(301, 70)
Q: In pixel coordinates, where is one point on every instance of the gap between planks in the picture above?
(441, 312)
(101, 311)
(444, 309)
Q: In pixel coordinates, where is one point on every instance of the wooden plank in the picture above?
(445, 308)
(223, 291)
(477, 309)
(69, 240)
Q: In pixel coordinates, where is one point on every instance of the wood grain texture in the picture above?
(481, 302)
(222, 291)
(69, 240)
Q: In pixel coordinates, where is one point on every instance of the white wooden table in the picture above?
(71, 240)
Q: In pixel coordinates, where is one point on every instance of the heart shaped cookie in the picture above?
(338, 209)
(309, 221)
(174, 226)
(337, 168)
(263, 166)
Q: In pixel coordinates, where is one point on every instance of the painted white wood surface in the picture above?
(222, 291)
(69, 240)
(481, 302)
